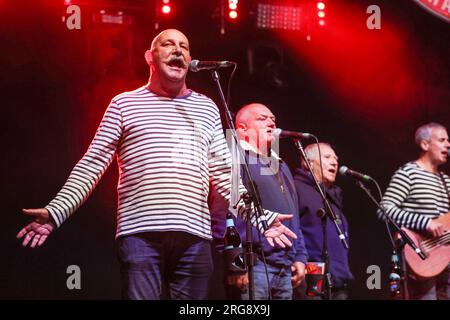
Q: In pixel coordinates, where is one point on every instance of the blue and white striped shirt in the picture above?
(168, 151)
(414, 196)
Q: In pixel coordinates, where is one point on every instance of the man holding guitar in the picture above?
(418, 199)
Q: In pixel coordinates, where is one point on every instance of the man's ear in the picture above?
(242, 127)
(424, 145)
(304, 165)
(148, 56)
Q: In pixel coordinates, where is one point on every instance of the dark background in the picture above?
(364, 91)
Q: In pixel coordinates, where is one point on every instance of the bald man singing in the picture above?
(285, 266)
(170, 146)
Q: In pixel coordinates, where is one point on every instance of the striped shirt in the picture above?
(168, 151)
(414, 196)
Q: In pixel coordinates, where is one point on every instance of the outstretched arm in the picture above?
(80, 183)
(91, 167)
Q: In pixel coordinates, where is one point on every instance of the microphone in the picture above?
(280, 133)
(345, 171)
(448, 152)
(197, 65)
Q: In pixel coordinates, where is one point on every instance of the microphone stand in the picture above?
(251, 196)
(329, 210)
(399, 245)
(325, 256)
(333, 217)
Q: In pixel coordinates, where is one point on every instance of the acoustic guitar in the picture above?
(436, 249)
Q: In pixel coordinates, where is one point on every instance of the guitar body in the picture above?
(438, 254)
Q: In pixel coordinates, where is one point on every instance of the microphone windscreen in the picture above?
(343, 170)
(276, 133)
(193, 65)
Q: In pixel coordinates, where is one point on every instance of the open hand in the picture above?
(278, 233)
(38, 230)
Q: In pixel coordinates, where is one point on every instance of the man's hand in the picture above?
(38, 230)
(435, 229)
(279, 233)
(239, 281)
(298, 273)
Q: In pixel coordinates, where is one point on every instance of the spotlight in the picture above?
(166, 9)
(232, 9)
(321, 13)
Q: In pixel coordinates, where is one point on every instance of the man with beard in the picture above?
(170, 146)
(417, 194)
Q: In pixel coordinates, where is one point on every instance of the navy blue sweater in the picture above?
(310, 202)
(272, 198)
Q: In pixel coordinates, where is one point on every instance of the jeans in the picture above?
(436, 288)
(279, 279)
(164, 265)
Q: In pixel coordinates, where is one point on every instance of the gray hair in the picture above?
(312, 152)
(424, 132)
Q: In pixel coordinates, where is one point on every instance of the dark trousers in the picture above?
(164, 265)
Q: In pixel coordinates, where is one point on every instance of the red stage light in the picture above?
(321, 14)
(322, 22)
(320, 5)
(232, 9)
(166, 9)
